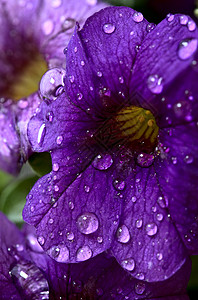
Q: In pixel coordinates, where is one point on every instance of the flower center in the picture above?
(25, 79)
(137, 128)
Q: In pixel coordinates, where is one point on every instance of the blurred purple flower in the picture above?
(123, 140)
(33, 36)
(26, 272)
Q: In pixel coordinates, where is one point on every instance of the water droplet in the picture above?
(183, 20)
(145, 160)
(75, 49)
(170, 17)
(86, 188)
(60, 253)
(99, 239)
(159, 256)
(119, 185)
(48, 27)
(150, 27)
(56, 3)
(71, 78)
(134, 199)
(22, 104)
(82, 63)
(159, 217)
(140, 276)
(79, 96)
(128, 264)
(83, 253)
(161, 202)
(33, 243)
(71, 205)
(87, 223)
(99, 74)
(41, 240)
(155, 84)
(50, 81)
(151, 229)
(123, 235)
(109, 28)
(102, 162)
(174, 160)
(41, 134)
(138, 17)
(191, 25)
(187, 48)
(140, 288)
(59, 140)
(51, 221)
(138, 223)
(188, 159)
(30, 280)
(70, 236)
(50, 116)
(55, 167)
(92, 2)
(121, 79)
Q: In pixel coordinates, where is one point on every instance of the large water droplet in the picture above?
(119, 185)
(41, 134)
(123, 235)
(30, 280)
(33, 243)
(151, 229)
(140, 288)
(138, 17)
(155, 84)
(50, 81)
(108, 28)
(187, 48)
(145, 160)
(191, 25)
(60, 253)
(83, 253)
(102, 162)
(183, 20)
(87, 223)
(128, 264)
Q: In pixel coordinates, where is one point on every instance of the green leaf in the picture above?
(41, 163)
(5, 178)
(13, 198)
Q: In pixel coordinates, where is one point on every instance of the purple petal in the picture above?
(166, 52)
(147, 243)
(177, 172)
(100, 56)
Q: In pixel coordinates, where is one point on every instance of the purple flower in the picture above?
(123, 141)
(33, 36)
(26, 272)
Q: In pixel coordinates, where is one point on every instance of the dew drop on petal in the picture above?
(138, 17)
(134, 199)
(183, 20)
(138, 223)
(123, 235)
(150, 27)
(86, 188)
(191, 25)
(121, 79)
(99, 74)
(155, 84)
(56, 3)
(83, 253)
(79, 96)
(159, 256)
(71, 78)
(50, 116)
(151, 229)
(145, 160)
(41, 240)
(128, 264)
(71, 205)
(70, 236)
(60, 253)
(29, 278)
(87, 223)
(161, 202)
(59, 140)
(108, 28)
(188, 159)
(102, 162)
(170, 17)
(187, 48)
(92, 2)
(41, 134)
(99, 239)
(55, 167)
(33, 243)
(52, 79)
(159, 217)
(119, 185)
(140, 288)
